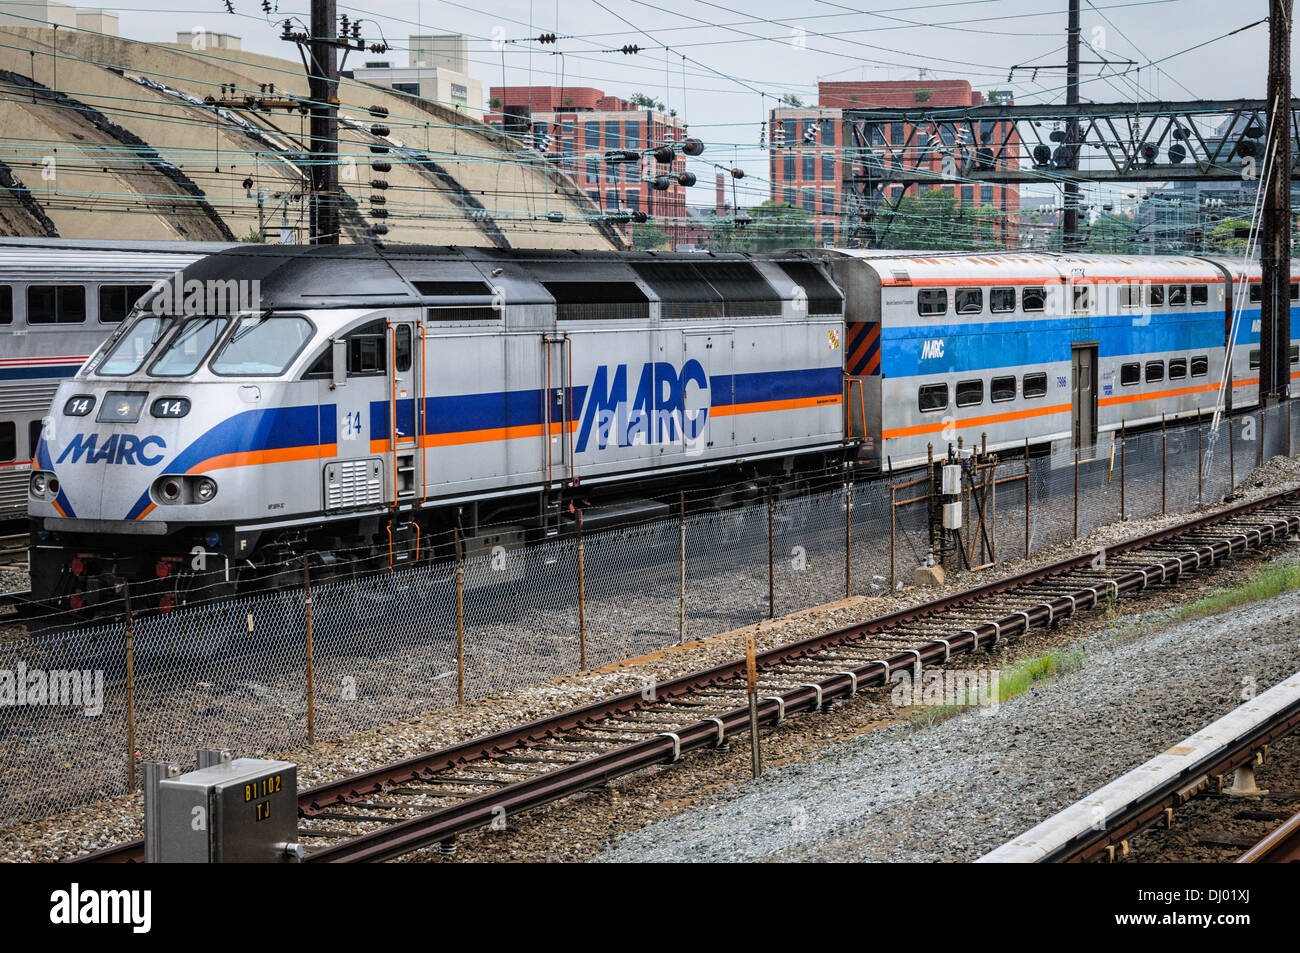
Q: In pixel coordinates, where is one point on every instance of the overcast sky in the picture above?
(728, 60)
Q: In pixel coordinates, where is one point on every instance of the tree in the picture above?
(790, 99)
(934, 220)
(1112, 235)
(648, 237)
(646, 102)
(1223, 237)
(775, 225)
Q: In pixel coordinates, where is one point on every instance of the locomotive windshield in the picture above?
(262, 346)
(130, 350)
(188, 347)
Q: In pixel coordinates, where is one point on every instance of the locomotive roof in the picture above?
(367, 276)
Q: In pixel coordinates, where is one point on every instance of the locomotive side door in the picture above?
(557, 413)
(1083, 360)
(405, 407)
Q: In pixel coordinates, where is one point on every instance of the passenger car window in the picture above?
(1130, 374)
(932, 301)
(1254, 358)
(1155, 371)
(1033, 299)
(1002, 300)
(1177, 295)
(970, 300)
(970, 393)
(1200, 294)
(1177, 368)
(115, 301)
(1200, 366)
(1082, 299)
(56, 304)
(1256, 293)
(1156, 296)
(931, 397)
(6, 304)
(8, 440)
(1002, 388)
(1035, 385)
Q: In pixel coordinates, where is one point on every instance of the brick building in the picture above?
(577, 126)
(806, 149)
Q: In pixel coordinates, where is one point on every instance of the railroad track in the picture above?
(1216, 762)
(13, 549)
(430, 799)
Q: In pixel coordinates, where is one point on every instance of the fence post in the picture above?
(1076, 492)
(681, 570)
(1163, 459)
(582, 600)
(460, 620)
(1026, 497)
(771, 553)
(311, 674)
(893, 533)
(1200, 467)
(1232, 457)
(1123, 446)
(1288, 428)
(130, 688)
(751, 684)
(848, 537)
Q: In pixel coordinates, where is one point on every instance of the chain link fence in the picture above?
(76, 716)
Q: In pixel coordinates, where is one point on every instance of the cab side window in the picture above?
(368, 350)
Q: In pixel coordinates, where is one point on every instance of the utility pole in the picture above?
(1275, 241)
(1070, 225)
(323, 85)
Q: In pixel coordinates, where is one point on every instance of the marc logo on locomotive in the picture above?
(123, 448)
(661, 409)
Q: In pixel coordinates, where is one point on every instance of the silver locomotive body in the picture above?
(357, 399)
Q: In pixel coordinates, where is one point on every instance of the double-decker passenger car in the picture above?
(59, 298)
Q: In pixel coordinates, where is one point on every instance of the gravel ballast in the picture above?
(955, 790)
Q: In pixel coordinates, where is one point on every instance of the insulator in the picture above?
(546, 38)
(665, 154)
(379, 212)
(737, 173)
(378, 200)
(378, 130)
(378, 111)
(380, 184)
(378, 229)
(661, 183)
(693, 147)
(381, 166)
(640, 217)
(687, 178)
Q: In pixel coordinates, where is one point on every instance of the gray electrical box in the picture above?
(235, 811)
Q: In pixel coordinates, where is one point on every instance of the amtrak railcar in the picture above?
(1053, 351)
(363, 396)
(59, 298)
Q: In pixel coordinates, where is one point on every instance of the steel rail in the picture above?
(1280, 846)
(445, 823)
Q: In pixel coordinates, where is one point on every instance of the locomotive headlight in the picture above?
(169, 490)
(38, 484)
(205, 490)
